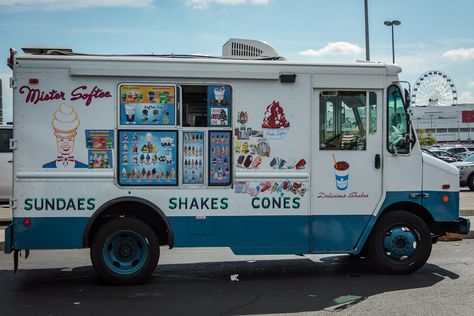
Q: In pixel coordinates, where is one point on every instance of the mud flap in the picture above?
(15, 260)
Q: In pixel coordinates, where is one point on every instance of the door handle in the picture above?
(377, 161)
(419, 195)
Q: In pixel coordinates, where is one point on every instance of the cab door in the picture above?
(346, 171)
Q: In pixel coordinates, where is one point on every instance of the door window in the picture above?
(343, 116)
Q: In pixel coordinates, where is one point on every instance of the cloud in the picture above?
(337, 48)
(466, 97)
(204, 4)
(66, 5)
(460, 54)
(470, 84)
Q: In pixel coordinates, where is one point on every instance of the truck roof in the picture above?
(196, 66)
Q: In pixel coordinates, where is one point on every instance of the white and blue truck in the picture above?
(124, 154)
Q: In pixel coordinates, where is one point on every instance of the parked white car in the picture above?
(6, 163)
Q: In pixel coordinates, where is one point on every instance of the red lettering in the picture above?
(80, 93)
(36, 95)
(95, 93)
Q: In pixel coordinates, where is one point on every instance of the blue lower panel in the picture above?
(335, 233)
(49, 233)
(243, 234)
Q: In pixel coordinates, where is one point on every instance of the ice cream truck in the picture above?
(124, 154)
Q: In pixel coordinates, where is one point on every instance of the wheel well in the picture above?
(136, 208)
(404, 206)
(413, 208)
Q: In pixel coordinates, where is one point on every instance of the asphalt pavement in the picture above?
(215, 282)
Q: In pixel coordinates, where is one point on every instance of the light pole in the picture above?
(392, 23)
(367, 48)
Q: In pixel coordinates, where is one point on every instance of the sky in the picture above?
(433, 35)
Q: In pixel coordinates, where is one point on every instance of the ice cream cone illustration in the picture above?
(65, 123)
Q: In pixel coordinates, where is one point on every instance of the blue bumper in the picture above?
(459, 226)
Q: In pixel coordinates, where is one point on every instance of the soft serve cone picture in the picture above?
(65, 123)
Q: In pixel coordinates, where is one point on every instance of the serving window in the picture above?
(206, 106)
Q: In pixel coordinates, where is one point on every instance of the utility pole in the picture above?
(367, 47)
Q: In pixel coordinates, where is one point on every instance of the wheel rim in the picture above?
(125, 252)
(400, 243)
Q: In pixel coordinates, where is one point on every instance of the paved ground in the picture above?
(63, 283)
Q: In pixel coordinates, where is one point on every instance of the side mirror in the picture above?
(407, 98)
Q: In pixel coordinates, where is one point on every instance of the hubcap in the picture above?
(125, 252)
(400, 242)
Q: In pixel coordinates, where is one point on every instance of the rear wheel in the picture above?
(400, 243)
(125, 251)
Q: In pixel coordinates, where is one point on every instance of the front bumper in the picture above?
(459, 226)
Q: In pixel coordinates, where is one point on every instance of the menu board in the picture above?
(148, 157)
(220, 164)
(193, 158)
(148, 105)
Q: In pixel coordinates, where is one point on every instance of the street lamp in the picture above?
(392, 23)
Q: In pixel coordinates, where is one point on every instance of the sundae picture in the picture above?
(275, 125)
(130, 112)
(65, 124)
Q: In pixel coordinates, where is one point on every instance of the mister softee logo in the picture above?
(85, 93)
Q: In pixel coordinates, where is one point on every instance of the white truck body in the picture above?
(289, 201)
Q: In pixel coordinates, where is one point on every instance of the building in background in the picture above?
(446, 123)
(1, 101)
(6, 99)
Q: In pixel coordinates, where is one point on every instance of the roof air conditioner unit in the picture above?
(249, 49)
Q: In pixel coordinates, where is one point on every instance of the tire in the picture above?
(125, 251)
(391, 245)
(470, 182)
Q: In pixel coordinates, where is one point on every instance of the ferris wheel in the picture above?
(434, 88)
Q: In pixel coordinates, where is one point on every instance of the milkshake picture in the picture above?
(341, 171)
(65, 123)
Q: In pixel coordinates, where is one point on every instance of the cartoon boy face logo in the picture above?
(65, 123)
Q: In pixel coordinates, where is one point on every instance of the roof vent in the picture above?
(249, 49)
(38, 50)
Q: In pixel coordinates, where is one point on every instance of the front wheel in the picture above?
(125, 251)
(400, 243)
